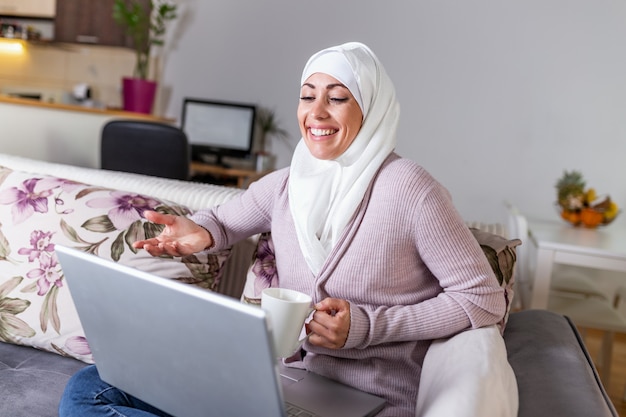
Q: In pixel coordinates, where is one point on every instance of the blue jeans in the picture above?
(86, 395)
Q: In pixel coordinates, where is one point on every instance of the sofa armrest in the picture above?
(554, 372)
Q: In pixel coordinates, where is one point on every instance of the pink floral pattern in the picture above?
(31, 196)
(125, 208)
(262, 274)
(264, 265)
(38, 212)
(47, 274)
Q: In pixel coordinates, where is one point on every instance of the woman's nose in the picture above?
(319, 110)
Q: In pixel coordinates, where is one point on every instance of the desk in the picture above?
(243, 176)
(560, 243)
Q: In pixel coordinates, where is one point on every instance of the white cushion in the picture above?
(468, 375)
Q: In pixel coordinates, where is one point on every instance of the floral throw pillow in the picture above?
(501, 254)
(262, 273)
(36, 213)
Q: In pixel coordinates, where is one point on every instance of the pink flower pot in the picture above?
(138, 95)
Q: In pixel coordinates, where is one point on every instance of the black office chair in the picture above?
(145, 147)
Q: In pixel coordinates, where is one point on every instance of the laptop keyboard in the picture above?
(295, 411)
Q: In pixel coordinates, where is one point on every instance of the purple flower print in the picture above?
(49, 183)
(66, 186)
(125, 208)
(32, 196)
(264, 266)
(78, 345)
(27, 199)
(48, 273)
(40, 243)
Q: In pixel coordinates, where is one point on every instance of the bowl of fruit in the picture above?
(581, 206)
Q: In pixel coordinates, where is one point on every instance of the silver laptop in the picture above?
(192, 352)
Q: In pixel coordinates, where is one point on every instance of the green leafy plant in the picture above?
(268, 126)
(145, 25)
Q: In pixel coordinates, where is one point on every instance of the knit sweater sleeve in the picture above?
(245, 215)
(457, 289)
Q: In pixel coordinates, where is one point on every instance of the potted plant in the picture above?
(268, 126)
(145, 22)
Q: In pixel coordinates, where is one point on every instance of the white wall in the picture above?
(498, 97)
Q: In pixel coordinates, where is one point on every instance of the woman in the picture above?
(372, 237)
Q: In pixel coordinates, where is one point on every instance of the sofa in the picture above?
(41, 340)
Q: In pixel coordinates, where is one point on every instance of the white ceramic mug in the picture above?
(286, 311)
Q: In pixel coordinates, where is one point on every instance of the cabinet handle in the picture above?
(86, 39)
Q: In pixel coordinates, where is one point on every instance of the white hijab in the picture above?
(325, 194)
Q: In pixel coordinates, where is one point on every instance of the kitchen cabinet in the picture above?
(89, 21)
(28, 8)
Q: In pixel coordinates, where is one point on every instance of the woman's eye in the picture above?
(339, 99)
(306, 98)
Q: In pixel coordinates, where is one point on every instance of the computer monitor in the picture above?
(218, 128)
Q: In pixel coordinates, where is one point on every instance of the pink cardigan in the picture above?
(408, 265)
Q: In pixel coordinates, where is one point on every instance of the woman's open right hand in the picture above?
(180, 237)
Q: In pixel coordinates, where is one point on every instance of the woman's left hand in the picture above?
(330, 324)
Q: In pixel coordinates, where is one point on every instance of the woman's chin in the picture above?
(323, 149)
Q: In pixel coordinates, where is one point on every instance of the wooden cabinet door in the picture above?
(28, 8)
(89, 21)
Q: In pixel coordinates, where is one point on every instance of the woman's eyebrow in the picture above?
(331, 86)
(328, 87)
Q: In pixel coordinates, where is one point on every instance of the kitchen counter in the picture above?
(118, 113)
(61, 133)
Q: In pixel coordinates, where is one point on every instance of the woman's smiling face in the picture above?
(328, 115)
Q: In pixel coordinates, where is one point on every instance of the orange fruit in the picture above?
(571, 216)
(591, 218)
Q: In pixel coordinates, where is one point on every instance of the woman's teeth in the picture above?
(322, 132)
